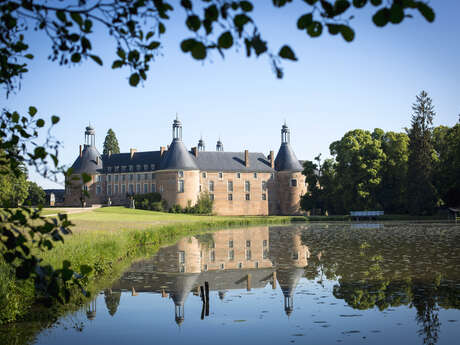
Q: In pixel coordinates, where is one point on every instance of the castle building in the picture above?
(239, 183)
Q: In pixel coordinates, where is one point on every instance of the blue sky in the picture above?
(334, 87)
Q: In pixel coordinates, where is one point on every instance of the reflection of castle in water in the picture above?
(227, 260)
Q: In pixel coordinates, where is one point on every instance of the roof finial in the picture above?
(177, 116)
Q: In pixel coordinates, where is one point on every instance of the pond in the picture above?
(341, 283)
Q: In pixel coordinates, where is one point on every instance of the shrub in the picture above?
(203, 204)
(149, 201)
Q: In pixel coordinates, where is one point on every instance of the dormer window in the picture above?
(138, 167)
(221, 175)
(123, 168)
(146, 167)
(180, 174)
(131, 168)
(238, 175)
(117, 168)
(109, 169)
(152, 166)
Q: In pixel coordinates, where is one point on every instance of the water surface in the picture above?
(309, 284)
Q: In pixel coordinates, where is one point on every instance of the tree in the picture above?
(110, 143)
(13, 184)
(359, 157)
(421, 194)
(36, 195)
(392, 190)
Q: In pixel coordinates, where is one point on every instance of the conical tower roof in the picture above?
(178, 158)
(286, 159)
(181, 287)
(90, 161)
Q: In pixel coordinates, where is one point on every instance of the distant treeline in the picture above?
(414, 172)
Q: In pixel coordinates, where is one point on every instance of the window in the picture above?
(211, 197)
(248, 254)
(154, 188)
(295, 256)
(205, 267)
(230, 197)
(265, 253)
(230, 244)
(123, 178)
(264, 185)
(146, 176)
(203, 174)
(272, 175)
(146, 188)
(182, 269)
(264, 196)
(231, 255)
(109, 178)
(138, 188)
(131, 177)
(123, 189)
(230, 186)
(180, 174)
(153, 176)
(180, 186)
(293, 183)
(222, 266)
(109, 169)
(240, 265)
(109, 189)
(256, 265)
(117, 168)
(115, 189)
(221, 175)
(130, 188)
(247, 186)
(264, 243)
(123, 168)
(182, 257)
(248, 243)
(211, 186)
(238, 175)
(98, 189)
(213, 255)
(138, 177)
(115, 177)
(161, 188)
(248, 197)
(98, 178)
(255, 175)
(200, 188)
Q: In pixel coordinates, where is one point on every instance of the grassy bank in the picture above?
(108, 239)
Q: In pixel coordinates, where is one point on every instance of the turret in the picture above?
(89, 162)
(291, 181)
(201, 145)
(219, 146)
(179, 165)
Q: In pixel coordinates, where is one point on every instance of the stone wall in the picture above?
(289, 195)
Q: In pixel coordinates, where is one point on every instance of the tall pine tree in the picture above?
(421, 194)
(111, 143)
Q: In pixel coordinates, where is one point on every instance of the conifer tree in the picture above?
(421, 194)
(111, 143)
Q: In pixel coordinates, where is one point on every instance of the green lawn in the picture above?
(120, 218)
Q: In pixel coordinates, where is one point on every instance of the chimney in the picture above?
(272, 159)
(246, 158)
(132, 152)
(162, 150)
(195, 151)
(81, 151)
(97, 160)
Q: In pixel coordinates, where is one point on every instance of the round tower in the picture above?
(178, 178)
(79, 191)
(289, 177)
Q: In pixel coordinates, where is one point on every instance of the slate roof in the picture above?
(88, 162)
(177, 157)
(139, 158)
(286, 160)
(232, 161)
